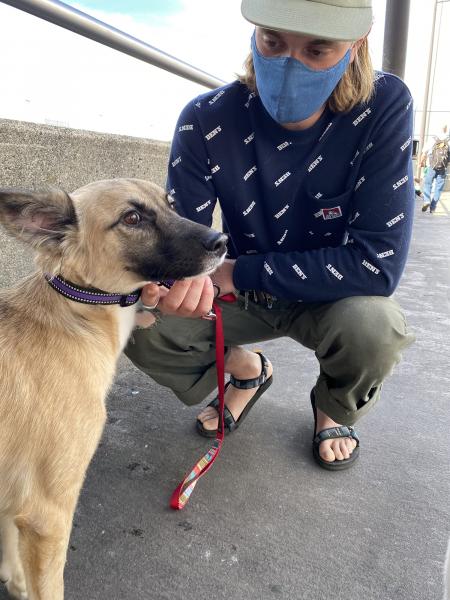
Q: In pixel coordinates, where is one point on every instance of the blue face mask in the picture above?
(289, 90)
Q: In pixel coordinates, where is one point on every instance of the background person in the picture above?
(435, 158)
(309, 156)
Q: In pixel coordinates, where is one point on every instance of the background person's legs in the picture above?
(427, 185)
(438, 187)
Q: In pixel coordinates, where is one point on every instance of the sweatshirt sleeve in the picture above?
(189, 179)
(378, 231)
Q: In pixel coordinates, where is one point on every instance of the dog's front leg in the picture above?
(11, 570)
(43, 541)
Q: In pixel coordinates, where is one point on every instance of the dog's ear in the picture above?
(39, 218)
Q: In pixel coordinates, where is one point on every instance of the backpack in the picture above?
(439, 155)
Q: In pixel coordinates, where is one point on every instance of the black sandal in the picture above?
(333, 433)
(262, 383)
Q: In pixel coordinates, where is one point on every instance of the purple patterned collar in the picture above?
(90, 295)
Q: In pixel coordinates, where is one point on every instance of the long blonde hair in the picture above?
(355, 87)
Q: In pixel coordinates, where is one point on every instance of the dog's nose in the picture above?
(215, 242)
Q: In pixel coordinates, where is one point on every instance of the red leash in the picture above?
(182, 493)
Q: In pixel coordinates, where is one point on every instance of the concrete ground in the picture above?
(266, 522)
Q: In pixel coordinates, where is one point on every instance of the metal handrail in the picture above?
(79, 22)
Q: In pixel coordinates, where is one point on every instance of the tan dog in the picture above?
(58, 356)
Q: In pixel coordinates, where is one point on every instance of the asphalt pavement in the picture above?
(266, 523)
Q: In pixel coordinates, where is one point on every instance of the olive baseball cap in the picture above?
(345, 20)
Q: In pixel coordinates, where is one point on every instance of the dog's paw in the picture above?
(15, 585)
(144, 320)
(17, 590)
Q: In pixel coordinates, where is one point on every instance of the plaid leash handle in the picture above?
(183, 492)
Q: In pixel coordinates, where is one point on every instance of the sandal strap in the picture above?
(228, 419)
(336, 432)
(247, 384)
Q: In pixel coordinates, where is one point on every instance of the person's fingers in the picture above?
(190, 307)
(206, 299)
(189, 298)
(150, 294)
(186, 298)
(175, 296)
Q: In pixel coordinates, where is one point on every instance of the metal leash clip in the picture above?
(211, 315)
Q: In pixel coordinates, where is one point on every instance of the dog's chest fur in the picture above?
(126, 317)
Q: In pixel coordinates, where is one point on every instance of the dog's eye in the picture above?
(132, 218)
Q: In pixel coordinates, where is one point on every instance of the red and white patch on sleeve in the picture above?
(331, 213)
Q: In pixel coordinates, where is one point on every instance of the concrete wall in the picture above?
(37, 156)
(34, 155)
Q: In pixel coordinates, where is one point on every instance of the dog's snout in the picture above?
(215, 242)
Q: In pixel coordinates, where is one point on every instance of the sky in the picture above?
(50, 75)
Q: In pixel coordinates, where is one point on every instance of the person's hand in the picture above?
(223, 277)
(188, 298)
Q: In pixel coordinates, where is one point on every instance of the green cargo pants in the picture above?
(357, 342)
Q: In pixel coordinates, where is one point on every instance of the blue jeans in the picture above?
(430, 176)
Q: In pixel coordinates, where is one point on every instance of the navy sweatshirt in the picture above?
(314, 215)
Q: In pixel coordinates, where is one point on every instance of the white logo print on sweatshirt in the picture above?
(250, 138)
(360, 182)
(268, 268)
(250, 172)
(314, 163)
(282, 178)
(250, 98)
(283, 145)
(369, 266)
(283, 237)
(406, 144)
(326, 129)
(354, 158)
(216, 97)
(281, 212)
(400, 182)
(249, 208)
(356, 215)
(335, 272)
(385, 254)
(299, 271)
(203, 206)
(213, 133)
(361, 117)
(395, 220)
